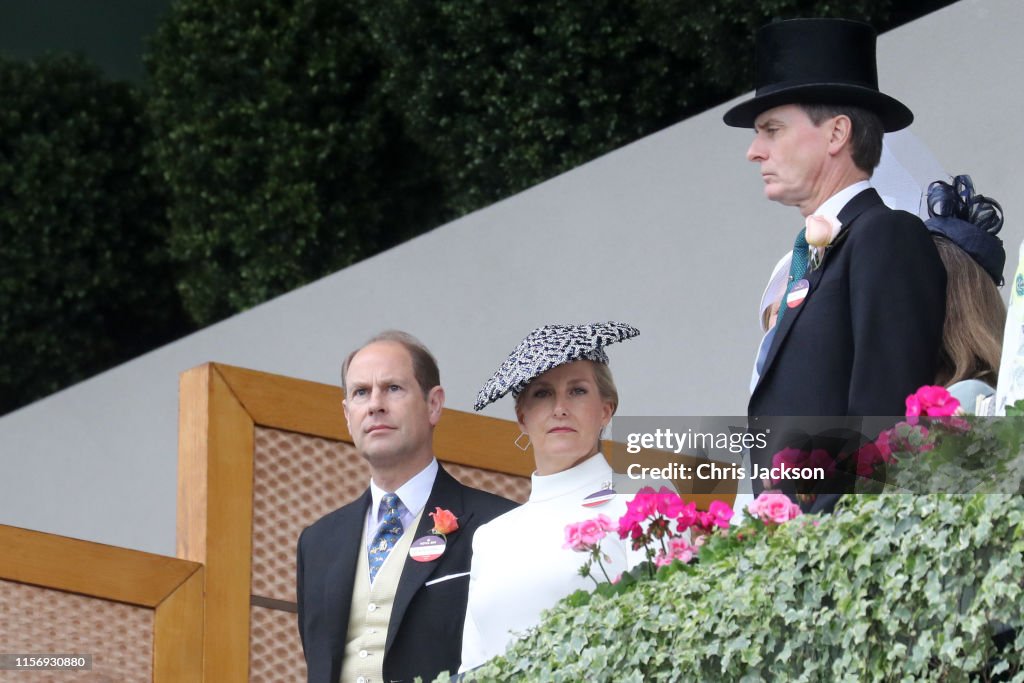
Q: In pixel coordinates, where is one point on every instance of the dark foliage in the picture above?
(84, 283)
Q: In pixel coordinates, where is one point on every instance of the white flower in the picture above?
(820, 230)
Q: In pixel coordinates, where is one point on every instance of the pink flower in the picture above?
(687, 517)
(867, 456)
(913, 404)
(882, 443)
(932, 401)
(668, 502)
(819, 457)
(681, 550)
(584, 536)
(678, 549)
(618, 577)
(788, 458)
(821, 230)
(629, 524)
(643, 505)
(718, 514)
(773, 508)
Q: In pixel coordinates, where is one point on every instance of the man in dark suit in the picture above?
(860, 323)
(373, 603)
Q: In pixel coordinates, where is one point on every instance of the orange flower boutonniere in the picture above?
(444, 522)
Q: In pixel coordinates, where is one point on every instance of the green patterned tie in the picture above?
(796, 270)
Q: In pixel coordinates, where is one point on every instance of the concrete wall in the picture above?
(670, 234)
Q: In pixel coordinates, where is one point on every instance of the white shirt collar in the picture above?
(834, 204)
(413, 494)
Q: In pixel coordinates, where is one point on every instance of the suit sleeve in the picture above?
(897, 303)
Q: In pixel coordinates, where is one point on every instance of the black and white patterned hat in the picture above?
(548, 347)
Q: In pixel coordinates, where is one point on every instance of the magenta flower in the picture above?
(718, 514)
(788, 458)
(819, 457)
(867, 456)
(884, 446)
(688, 517)
(669, 503)
(932, 401)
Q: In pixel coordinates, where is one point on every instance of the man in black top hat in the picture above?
(860, 324)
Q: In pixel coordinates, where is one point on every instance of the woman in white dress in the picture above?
(565, 397)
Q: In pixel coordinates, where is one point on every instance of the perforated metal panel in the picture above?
(297, 479)
(40, 620)
(276, 652)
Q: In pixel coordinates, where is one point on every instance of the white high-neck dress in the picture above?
(520, 567)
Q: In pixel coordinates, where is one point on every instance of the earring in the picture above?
(523, 446)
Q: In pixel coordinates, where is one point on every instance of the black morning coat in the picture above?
(425, 632)
(868, 332)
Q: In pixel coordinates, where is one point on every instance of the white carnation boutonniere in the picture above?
(820, 230)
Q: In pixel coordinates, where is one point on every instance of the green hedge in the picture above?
(891, 588)
(506, 94)
(84, 282)
(282, 162)
(286, 140)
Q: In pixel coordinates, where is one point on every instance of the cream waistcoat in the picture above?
(371, 611)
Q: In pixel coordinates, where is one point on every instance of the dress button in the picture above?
(363, 653)
(372, 607)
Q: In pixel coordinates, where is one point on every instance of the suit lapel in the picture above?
(446, 493)
(861, 202)
(341, 575)
(789, 320)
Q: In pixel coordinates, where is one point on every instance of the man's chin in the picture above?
(381, 457)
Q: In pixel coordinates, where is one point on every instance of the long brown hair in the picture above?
(972, 336)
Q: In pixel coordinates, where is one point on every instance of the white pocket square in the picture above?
(446, 578)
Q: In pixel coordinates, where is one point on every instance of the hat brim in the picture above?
(894, 114)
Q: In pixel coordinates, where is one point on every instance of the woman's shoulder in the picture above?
(968, 391)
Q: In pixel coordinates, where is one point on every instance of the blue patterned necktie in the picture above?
(796, 270)
(388, 532)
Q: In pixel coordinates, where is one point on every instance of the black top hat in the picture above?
(818, 61)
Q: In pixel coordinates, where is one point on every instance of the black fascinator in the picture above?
(971, 221)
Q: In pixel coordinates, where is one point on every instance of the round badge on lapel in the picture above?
(798, 293)
(427, 548)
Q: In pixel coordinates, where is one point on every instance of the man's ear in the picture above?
(348, 421)
(840, 133)
(435, 404)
